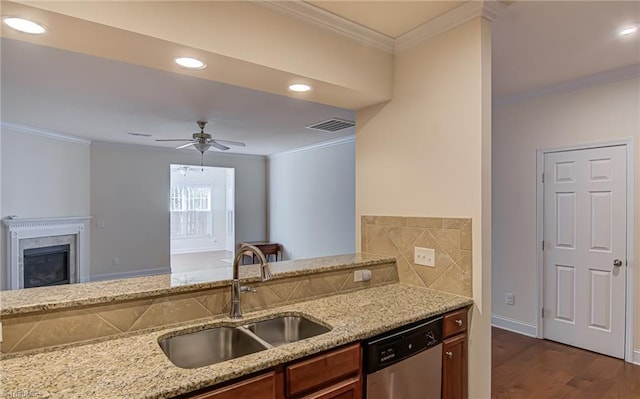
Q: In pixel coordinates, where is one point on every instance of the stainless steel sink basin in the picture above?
(285, 329)
(206, 347)
(215, 345)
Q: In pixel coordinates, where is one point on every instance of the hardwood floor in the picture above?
(525, 367)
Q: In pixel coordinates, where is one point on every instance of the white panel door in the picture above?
(584, 235)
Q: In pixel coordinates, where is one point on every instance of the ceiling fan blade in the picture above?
(219, 146)
(237, 143)
(184, 146)
(174, 139)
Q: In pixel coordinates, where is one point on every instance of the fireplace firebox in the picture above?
(46, 266)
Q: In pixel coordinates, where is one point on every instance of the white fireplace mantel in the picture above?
(24, 228)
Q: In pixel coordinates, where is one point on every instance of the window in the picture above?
(191, 211)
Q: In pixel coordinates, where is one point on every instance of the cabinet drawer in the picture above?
(455, 322)
(260, 387)
(321, 370)
(348, 389)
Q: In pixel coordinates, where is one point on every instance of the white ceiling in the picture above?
(100, 99)
(541, 43)
(535, 44)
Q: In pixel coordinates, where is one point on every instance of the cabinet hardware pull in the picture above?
(459, 322)
(449, 354)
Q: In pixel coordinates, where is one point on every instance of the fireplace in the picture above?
(46, 251)
(46, 266)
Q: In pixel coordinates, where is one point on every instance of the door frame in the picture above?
(629, 145)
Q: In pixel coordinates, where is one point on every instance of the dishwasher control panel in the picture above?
(396, 345)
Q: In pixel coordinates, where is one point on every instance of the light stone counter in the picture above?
(136, 367)
(74, 295)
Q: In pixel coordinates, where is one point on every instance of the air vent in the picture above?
(331, 125)
(139, 134)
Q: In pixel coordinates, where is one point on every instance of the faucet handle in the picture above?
(244, 288)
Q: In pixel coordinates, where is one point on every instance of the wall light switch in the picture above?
(115, 261)
(424, 256)
(100, 224)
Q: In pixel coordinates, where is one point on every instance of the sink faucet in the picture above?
(236, 288)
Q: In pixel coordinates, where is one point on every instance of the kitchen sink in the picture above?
(285, 329)
(206, 347)
(217, 344)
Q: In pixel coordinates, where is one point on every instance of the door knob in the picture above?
(449, 354)
(617, 262)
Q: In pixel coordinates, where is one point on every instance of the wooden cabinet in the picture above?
(333, 374)
(264, 386)
(454, 355)
(347, 389)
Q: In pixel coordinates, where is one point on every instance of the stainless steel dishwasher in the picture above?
(405, 363)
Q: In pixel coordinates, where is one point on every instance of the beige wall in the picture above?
(591, 115)
(427, 152)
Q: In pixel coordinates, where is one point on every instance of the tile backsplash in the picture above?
(450, 237)
(59, 327)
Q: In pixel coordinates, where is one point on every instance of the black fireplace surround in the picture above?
(46, 266)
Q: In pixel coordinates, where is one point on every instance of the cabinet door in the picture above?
(260, 387)
(348, 389)
(454, 367)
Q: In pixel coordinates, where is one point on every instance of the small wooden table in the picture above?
(267, 248)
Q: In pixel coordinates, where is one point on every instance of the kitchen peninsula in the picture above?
(131, 364)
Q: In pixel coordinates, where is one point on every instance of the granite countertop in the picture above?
(136, 367)
(73, 295)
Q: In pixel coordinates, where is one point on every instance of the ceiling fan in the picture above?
(203, 141)
(184, 169)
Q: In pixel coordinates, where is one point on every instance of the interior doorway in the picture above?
(202, 220)
(585, 216)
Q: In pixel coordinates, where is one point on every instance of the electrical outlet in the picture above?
(510, 299)
(424, 256)
(115, 261)
(361, 275)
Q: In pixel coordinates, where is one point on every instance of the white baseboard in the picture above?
(197, 250)
(636, 357)
(514, 326)
(117, 276)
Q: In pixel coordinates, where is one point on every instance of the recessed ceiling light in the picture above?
(24, 25)
(299, 87)
(191, 63)
(627, 30)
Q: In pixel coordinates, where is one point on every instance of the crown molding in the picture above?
(331, 143)
(317, 16)
(335, 23)
(491, 9)
(44, 133)
(613, 75)
(155, 148)
(447, 21)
